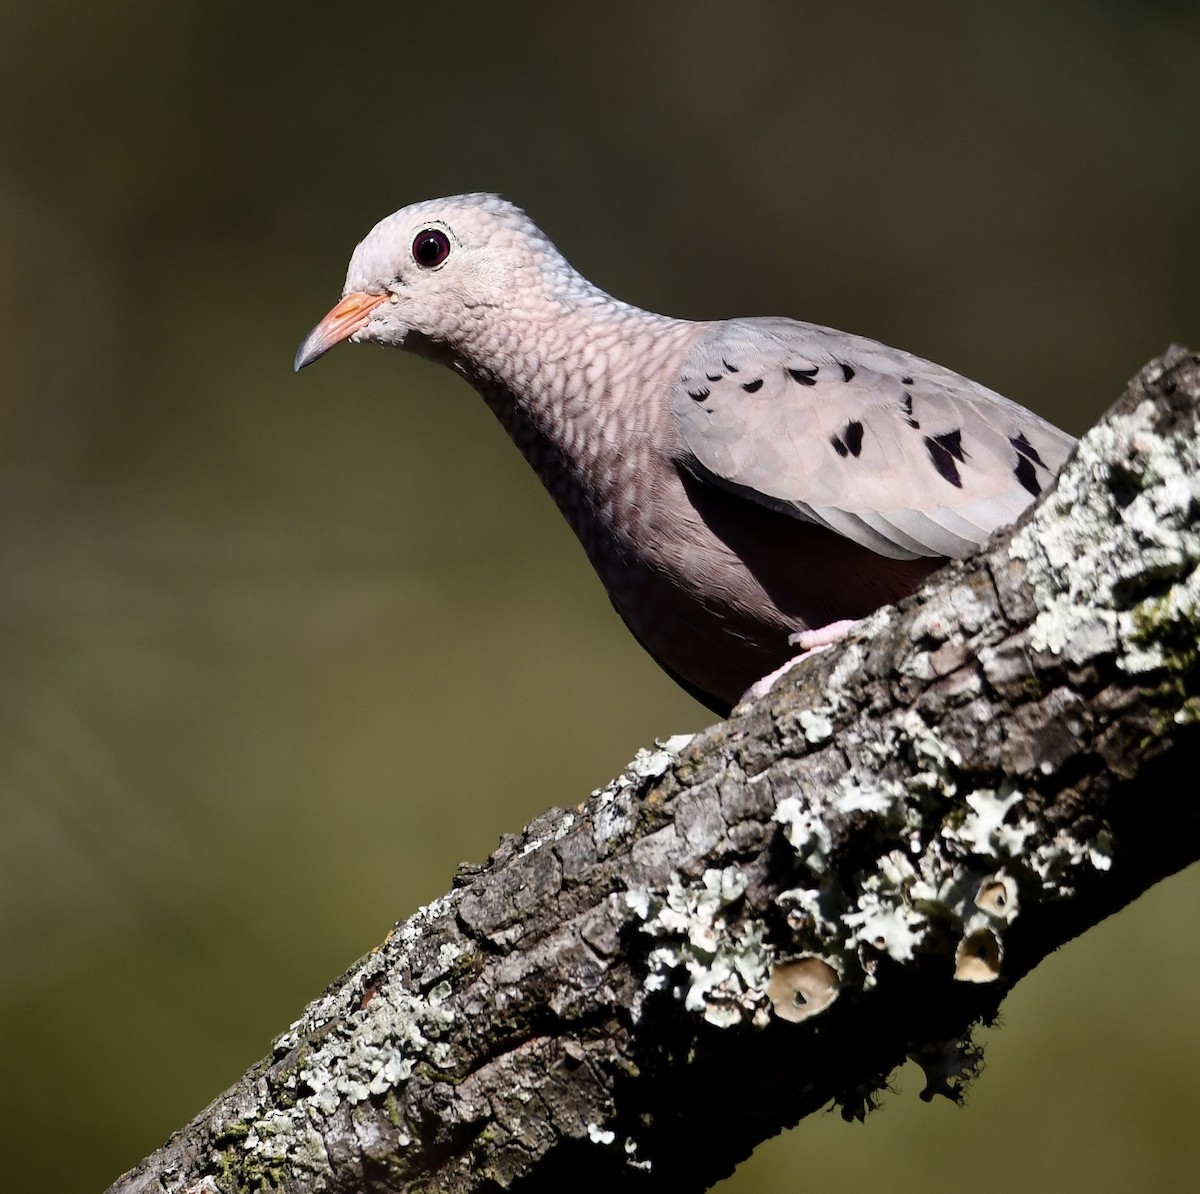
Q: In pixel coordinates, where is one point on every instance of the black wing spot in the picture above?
(806, 377)
(731, 368)
(838, 446)
(1026, 449)
(714, 376)
(943, 459)
(853, 436)
(847, 371)
(698, 395)
(906, 406)
(906, 381)
(1026, 473)
(952, 442)
(752, 387)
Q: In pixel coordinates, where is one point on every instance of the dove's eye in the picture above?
(431, 247)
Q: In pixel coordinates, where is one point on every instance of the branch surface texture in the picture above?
(778, 911)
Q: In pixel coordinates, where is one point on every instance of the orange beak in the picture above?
(340, 324)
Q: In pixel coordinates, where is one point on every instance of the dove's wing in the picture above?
(898, 454)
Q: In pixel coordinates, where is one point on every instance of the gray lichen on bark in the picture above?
(773, 914)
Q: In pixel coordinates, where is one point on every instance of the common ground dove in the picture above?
(736, 483)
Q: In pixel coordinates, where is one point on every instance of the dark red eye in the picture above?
(431, 247)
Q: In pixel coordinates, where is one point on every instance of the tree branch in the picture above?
(774, 914)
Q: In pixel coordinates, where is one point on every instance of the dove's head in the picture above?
(429, 273)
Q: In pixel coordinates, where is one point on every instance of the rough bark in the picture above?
(774, 914)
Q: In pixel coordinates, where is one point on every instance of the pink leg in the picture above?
(810, 642)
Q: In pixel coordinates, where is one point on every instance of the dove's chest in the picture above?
(709, 582)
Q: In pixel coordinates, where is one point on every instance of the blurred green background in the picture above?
(276, 652)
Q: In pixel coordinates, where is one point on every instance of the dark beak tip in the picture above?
(308, 352)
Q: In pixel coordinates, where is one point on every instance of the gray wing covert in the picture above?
(897, 453)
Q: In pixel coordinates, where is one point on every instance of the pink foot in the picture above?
(810, 642)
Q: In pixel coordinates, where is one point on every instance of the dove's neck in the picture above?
(582, 383)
